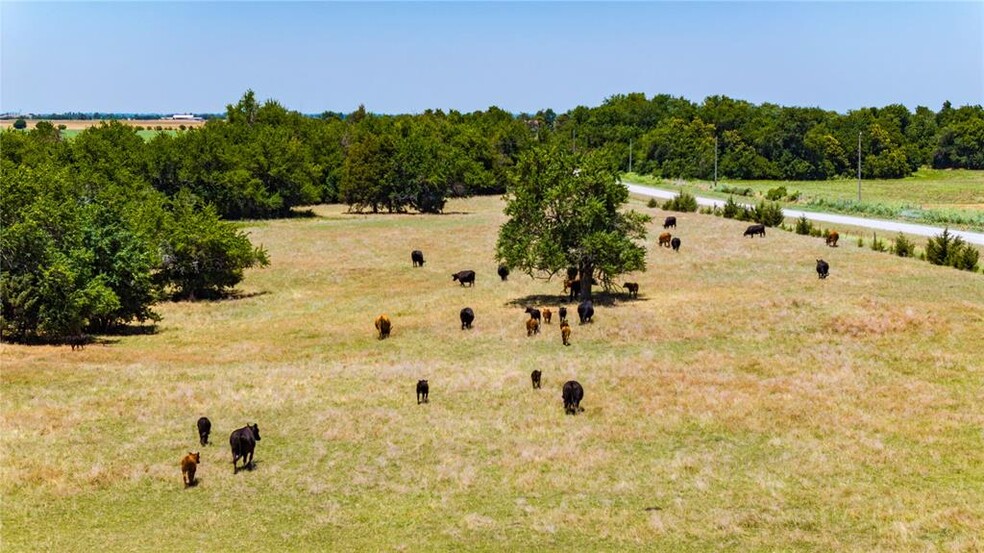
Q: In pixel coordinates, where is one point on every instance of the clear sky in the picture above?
(407, 57)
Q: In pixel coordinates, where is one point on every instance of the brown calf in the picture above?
(188, 466)
(664, 239)
(383, 325)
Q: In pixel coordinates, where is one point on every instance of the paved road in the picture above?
(879, 224)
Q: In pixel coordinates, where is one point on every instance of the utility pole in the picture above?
(630, 155)
(859, 166)
(574, 140)
(715, 162)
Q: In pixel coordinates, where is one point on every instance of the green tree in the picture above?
(20, 124)
(565, 210)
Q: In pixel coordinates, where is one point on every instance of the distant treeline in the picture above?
(99, 116)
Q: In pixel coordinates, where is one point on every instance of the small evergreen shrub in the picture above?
(876, 244)
(946, 249)
(684, 202)
(903, 247)
(817, 233)
(860, 241)
(776, 194)
(652, 203)
(768, 213)
(731, 209)
(804, 226)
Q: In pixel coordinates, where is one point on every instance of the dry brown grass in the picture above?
(740, 404)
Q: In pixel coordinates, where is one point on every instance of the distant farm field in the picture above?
(82, 124)
(958, 192)
(739, 404)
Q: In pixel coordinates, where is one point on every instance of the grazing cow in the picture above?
(573, 394)
(565, 333)
(532, 327)
(633, 288)
(823, 268)
(675, 243)
(664, 239)
(585, 311)
(669, 222)
(204, 427)
(752, 230)
(534, 313)
(243, 443)
(574, 286)
(422, 390)
(189, 464)
(417, 257)
(832, 239)
(503, 272)
(383, 325)
(535, 377)
(467, 316)
(78, 341)
(464, 276)
(547, 315)
(563, 314)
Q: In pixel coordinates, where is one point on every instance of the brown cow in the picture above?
(547, 315)
(383, 325)
(532, 327)
(832, 239)
(664, 239)
(188, 467)
(565, 333)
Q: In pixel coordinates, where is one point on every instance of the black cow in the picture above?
(575, 288)
(632, 288)
(464, 276)
(204, 427)
(669, 222)
(585, 311)
(422, 390)
(417, 257)
(243, 442)
(534, 313)
(675, 243)
(823, 268)
(571, 273)
(503, 272)
(467, 316)
(573, 394)
(563, 314)
(752, 230)
(535, 377)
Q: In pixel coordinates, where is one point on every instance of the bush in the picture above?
(20, 124)
(731, 209)
(734, 190)
(652, 203)
(684, 202)
(776, 194)
(903, 247)
(768, 213)
(62, 127)
(876, 244)
(860, 241)
(817, 233)
(804, 226)
(946, 249)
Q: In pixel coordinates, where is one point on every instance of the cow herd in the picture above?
(243, 440)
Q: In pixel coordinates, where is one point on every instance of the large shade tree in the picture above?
(566, 210)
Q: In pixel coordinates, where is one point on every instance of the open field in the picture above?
(82, 124)
(739, 404)
(958, 191)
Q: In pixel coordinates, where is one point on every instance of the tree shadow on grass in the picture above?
(604, 299)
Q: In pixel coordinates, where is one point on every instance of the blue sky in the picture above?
(522, 56)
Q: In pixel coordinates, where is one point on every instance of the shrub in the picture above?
(62, 127)
(684, 202)
(817, 233)
(734, 190)
(768, 213)
(946, 249)
(731, 209)
(804, 226)
(776, 194)
(876, 244)
(794, 197)
(860, 241)
(158, 128)
(652, 203)
(20, 124)
(903, 247)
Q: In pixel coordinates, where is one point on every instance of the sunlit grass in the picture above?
(740, 403)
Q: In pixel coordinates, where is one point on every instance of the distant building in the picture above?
(184, 117)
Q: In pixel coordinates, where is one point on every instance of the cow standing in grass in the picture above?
(417, 257)
(189, 464)
(565, 333)
(752, 230)
(572, 393)
(503, 272)
(585, 311)
(535, 376)
(823, 268)
(669, 222)
(423, 389)
(675, 243)
(632, 288)
(664, 239)
(383, 326)
(467, 316)
(464, 276)
(563, 314)
(243, 443)
(832, 238)
(204, 427)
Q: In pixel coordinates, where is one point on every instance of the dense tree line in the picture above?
(674, 137)
(88, 245)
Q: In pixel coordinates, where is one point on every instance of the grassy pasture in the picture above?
(957, 191)
(739, 404)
